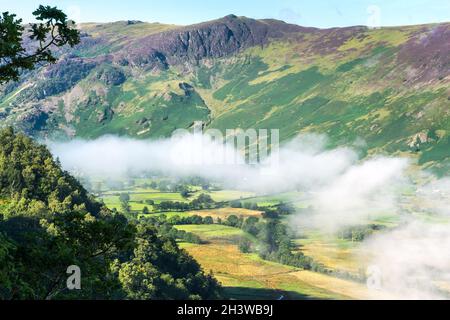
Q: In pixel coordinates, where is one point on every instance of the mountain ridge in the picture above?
(389, 86)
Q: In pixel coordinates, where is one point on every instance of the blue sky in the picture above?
(317, 13)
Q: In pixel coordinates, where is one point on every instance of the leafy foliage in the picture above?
(54, 30)
(158, 269)
(50, 222)
(273, 242)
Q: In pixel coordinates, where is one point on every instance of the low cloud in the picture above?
(302, 163)
(359, 194)
(342, 190)
(435, 196)
(413, 260)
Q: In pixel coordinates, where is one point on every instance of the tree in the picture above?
(247, 205)
(285, 208)
(125, 206)
(208, 220)
(250, 225)
(196, 219)
(159, 269)
(145, 210)
(54, 30)
(51, 222)
(235, 204)
(232, 221)
(205, 198)
(184, 193)
(202, 201)
(245, 245)
(124, 197)
(270, 213)
(125, 202)
(48, 222)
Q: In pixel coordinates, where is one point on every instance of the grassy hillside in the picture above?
(388, 86)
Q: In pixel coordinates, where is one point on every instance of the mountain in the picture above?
(387, 86)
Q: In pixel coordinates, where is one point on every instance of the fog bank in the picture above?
(412, 258)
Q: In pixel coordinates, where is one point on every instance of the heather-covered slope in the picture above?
(388, 86)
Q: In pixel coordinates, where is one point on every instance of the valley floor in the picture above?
(246, 275)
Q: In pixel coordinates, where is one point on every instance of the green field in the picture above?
(139, 194)
(246, 275)
(208, 232)
(335, 254)
(227, 195)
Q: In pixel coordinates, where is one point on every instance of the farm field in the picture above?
(352, 290)
(335, 254)
(167, 214)
(223, 213)
(137, 199)
(139, 194)
(214, 232)
(270, 200)
(223, 156)
(246, 276)
(228, 195)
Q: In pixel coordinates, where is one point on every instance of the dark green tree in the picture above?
(232, 221)
(52, 30)
(124, 197)
(185, 193)
(160, 270)
(245, 245)
(48, 222)
(208, 220)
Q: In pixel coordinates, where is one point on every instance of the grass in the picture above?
(223, 213)
(228, 195)
(167, 214)
(139, 196)
(157, 196)
(355, 89)
(213, 231)
(246, 277)
(113, 202)
(265, 279)
(271, 200)
(340, 254)
(333, 253)
(346, 288)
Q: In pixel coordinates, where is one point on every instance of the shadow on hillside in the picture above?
(244, 293)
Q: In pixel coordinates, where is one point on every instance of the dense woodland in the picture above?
(49, 221)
